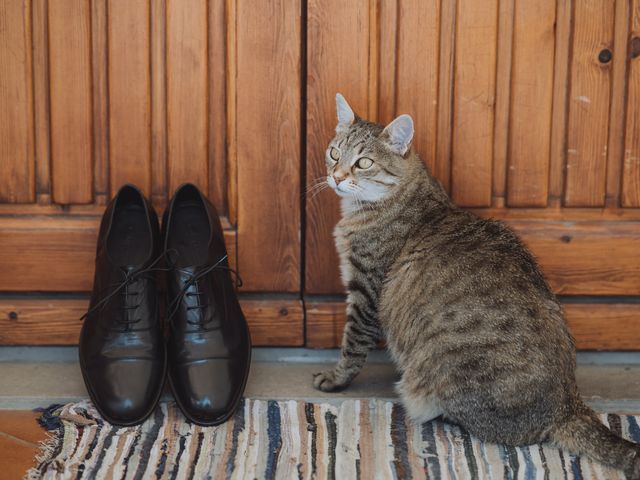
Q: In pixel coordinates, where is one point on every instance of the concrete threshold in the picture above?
(33, 377)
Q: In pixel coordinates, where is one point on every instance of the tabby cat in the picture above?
(468, 317)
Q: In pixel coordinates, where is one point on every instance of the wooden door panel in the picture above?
(519, 112)
(631, 165)
(71, 101)
(267, 132)
(56, 254)
(589, 99)
(416, 27)
(187, 93)
(55, 321)
(474, 99)
(129, 64)
(531, 100)
(16, 116)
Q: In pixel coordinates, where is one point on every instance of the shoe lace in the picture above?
(122, 288)
(193, 279)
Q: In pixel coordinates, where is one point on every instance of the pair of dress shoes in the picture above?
(125, 350)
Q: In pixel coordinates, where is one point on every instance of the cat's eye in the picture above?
(334, 154)
(364, 163)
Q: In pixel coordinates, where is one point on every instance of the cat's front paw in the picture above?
(328, 381)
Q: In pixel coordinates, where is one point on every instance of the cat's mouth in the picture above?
(341, 191)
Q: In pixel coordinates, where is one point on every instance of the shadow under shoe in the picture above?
(122, 349)
(209, 346)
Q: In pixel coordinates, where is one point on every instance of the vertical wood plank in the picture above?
(560, 102)
(473, 117)
(268, 132)
(16, 103)
(70, 87)
(231, 106)
(331, 68)
(187, 93)
(531, 102)
(447, 39)
(41, 100)
(387, 57)
(217, 107)
(374, 58)
(631, 166)
(417, 77)
(615, 150)
(99, 64)
(589, 104)
(129, 94)
(158, 103)
(504, 61)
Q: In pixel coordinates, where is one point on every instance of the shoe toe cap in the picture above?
(209, 390)
(125, 392)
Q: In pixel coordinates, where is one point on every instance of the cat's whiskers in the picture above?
(317, 191)
(317, 185)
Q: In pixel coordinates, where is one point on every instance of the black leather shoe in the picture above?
(122, 349)
(209, 347)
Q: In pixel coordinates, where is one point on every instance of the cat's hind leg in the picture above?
(420, 406)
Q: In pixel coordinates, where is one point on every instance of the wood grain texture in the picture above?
(417, 72)
(474, 100)
(158, 103)
(217, 106)
(504, 61)
(100, 91)
(387, 59)
(268, 159)
(331, 68)
(41, 118)
(615, 149)
(71, 101)
(577, 257)
(55, 254)
(16, 103)
(55, 321)
(531, 101)
(557, 159)
(231, 58)
(589, 104)
(442, 170)
(129, 95)
(631, 165)
(599, 326)
(187, 93)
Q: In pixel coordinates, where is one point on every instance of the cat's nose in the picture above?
(338, 178)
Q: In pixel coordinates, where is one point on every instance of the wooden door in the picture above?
(525, 110)
(96, 93)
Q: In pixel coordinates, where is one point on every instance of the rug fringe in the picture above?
(50, 421)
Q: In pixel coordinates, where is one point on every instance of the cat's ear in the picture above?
(398, 134)
(346, 117)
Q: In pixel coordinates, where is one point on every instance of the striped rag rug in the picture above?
(351, 439)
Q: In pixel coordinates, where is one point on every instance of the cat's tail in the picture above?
(584, 434)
